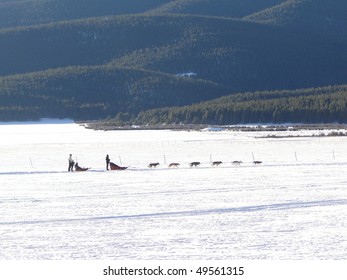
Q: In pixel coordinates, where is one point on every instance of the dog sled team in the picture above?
(198, 163)
(112, 166)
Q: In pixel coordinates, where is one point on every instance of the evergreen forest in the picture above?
(174, 61)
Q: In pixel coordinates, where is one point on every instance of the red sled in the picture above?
(114, 166)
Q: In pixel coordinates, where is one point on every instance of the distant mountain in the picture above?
(89, 59)
(235, 54)
(220, 8)
(32, 12)
(321, 16)
(96, 92)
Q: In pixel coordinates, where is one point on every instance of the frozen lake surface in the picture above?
(291, 207)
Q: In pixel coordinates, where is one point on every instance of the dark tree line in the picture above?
(321, 105)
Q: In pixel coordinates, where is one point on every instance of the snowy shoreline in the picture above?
(291, 207)
(106, 126)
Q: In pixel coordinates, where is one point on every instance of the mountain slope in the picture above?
(235, 54)
(320, 16)
(166, 53)
(221, 8)
(313, 105)
(80, 42)
(33, 12)
(96, 92)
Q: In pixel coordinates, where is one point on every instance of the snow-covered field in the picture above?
(292, 207)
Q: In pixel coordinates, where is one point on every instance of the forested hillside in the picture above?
(221, 8)
(96, 92)
(315, 105)
(32, 12)
(94, 59)
(327, 18)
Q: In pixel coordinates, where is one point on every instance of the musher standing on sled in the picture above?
(107, 161)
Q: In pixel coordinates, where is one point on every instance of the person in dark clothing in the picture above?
(107, 161)
(71, 163)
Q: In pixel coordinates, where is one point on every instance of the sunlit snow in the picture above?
(292, 206)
